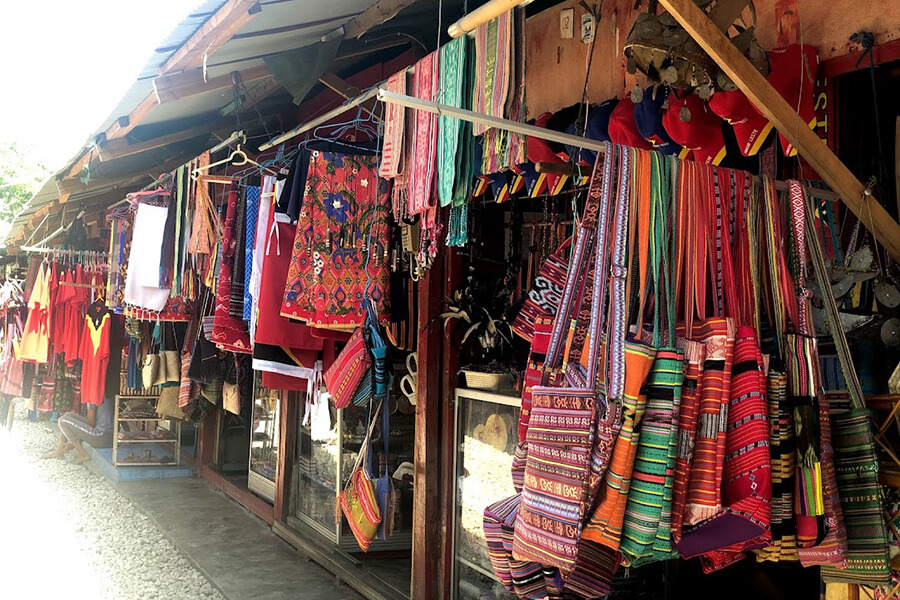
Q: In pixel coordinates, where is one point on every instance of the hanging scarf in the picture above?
(392, 148)
(424, 141)
(452, 83)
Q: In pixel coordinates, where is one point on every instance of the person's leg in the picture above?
(76, 429)
(67, 432)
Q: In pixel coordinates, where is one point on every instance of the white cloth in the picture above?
(266, 200)
(142, 282)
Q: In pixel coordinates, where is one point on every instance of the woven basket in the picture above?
(486, 381)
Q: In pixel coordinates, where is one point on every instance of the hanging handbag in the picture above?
(545, 293)
(563, 420)
(343, 377)
(151, 373)
(358, 500)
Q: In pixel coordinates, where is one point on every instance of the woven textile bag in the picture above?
(561, 426)
(343, 377)
(545, 293)
(358, 500)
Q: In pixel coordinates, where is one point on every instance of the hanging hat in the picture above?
(794, 72)
(750, 128)
(648, 120)
(540, 151)
(597, 127)
(701, 133)
(622, 129)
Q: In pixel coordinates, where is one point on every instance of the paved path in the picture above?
(67, 532)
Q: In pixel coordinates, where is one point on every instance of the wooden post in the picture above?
(426, 547)
(788, 123)
(289, 414)
(452, 277)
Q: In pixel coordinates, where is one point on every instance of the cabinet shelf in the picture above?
(150, 423)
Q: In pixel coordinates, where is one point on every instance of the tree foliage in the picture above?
(20, 178)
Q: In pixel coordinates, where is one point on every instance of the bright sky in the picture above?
(67, 63)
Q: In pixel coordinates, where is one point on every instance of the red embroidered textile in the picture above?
(340, 248)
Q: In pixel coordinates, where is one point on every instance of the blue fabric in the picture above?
(648, 119)
(250, 240)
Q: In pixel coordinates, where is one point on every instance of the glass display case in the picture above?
(328, 443)
(487, 434)
(263, 471)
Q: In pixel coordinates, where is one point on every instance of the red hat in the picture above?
(702, 134)
(794, 71)
(539, 150)
(750, 128)
(622, 129)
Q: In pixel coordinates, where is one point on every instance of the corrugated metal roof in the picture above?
(280, 25)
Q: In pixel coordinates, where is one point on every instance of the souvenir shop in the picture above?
(576, 304)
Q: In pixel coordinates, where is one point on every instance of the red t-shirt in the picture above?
(94, 354)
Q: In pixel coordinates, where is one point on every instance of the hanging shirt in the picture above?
(36, 338)
(95, 359)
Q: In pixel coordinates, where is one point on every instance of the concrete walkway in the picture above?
(236, 551)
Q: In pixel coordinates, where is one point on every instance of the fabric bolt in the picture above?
(646, 530)
(746, 480)
(424, 140)
(856, 468)
(141, 282)
(783, 546)
(704, 498)
(252, 213)
(94, 355)
(451, 82)
(340, 248)
(229, 332)
(394, 121)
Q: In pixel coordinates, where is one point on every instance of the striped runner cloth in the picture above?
(704, 492)
(747, 481)
(605, 524)
(783, 546)
(833, 549)
(646, 531)
(394, 117)
(688, 414)
(856, 467)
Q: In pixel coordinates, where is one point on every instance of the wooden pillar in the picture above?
(785, 118)
(426, 573)
(289, 411)
(450, 338)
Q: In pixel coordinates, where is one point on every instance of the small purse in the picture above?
(544, 295)
(358, 500)
(343, 377)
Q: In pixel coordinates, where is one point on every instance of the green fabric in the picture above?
(452, 84)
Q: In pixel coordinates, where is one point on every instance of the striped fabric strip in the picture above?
(646, 532)
(605, 524)
(392, 148)
(452, 84)
(856, 467)
(688, 414)
(783, 546)
(424, 137)
(747, 482)
(704, 497)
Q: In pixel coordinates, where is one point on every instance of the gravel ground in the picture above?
(66, 532)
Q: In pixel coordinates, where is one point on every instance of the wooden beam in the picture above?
(212, 35)
(124, 125)
(375, 15)
(425, 579)
(121, 147)
(256, 93)
(348, 91)
(184, 84)
(865, 206)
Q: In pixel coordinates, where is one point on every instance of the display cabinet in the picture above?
(327, 445)
(263, 472)
(486, 435)
(142, 438)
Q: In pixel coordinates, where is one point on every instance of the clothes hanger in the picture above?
(238, 158)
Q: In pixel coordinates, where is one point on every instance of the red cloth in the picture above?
(73, 327)
(271, 327)
(95, 359)
(229, 333)
(277, 381)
